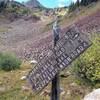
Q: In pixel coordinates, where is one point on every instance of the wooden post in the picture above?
(55, 89)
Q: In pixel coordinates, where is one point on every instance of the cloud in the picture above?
(61, 3)
(74, 0)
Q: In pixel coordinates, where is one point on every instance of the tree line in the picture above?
(3, 5)
(78, 3)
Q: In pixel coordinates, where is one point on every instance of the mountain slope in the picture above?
(36, 39)
(33, 4)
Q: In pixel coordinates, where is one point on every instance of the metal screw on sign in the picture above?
(55, 82)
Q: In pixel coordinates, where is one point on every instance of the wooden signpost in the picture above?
(68, 48)
(55, 88)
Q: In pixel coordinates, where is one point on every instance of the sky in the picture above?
(52, 3)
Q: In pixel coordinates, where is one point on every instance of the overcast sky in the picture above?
(52, 3)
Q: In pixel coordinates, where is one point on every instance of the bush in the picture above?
(88, 65)
(2, 5)
(25, 11)
(9, 61)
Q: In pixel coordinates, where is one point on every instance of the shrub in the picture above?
(9, 61)
(2, 5)
(88, 65)
(25, 11)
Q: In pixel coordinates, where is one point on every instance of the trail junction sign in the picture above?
(68, 48)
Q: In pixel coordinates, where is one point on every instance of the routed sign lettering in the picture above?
(68, 48)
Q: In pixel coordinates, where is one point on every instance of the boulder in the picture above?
(95, 95)
(23, 78)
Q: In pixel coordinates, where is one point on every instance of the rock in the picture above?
(95, 95)
(68, 73)
(2, 89)
(25, 88)
(23, 78)
(62, 92)
(24, 71)
(65, 74)
(33, 62)
(73, 84)
(68, 92)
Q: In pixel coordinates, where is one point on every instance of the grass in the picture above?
(11, 80)
(85, 11)
(2, 16)
(3, 29)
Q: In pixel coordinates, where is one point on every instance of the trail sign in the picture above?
(67, 49)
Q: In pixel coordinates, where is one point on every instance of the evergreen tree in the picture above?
(87, 2)
(2, 5)
(84, 2)
(77, 3)
(72, 7)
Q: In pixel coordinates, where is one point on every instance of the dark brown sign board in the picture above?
(68, 48)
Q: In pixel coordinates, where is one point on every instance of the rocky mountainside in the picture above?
(28, 40)
(33, 4)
